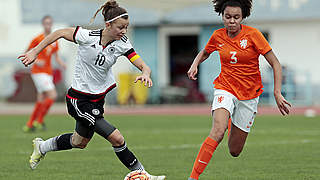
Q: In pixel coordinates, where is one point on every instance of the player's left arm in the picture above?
(146, 72)
(282, 103)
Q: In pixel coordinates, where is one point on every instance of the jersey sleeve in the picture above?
(211, 45)
(81, 36)
(125, 45)
(128, 50)
(260, 42)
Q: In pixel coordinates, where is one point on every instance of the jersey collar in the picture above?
(238, 35)
(104, 46)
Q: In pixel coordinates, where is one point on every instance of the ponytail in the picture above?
(110, 10)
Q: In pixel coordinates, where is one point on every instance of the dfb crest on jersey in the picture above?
(111, 50)
(243, 43)
(95, 112)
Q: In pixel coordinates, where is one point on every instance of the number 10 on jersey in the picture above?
(100, 60)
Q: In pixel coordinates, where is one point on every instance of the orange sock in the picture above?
(203, 158)
(229, 126)
(44, 109)
(34, 114)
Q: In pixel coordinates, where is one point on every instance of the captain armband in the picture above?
(132, 55)
(135, 57)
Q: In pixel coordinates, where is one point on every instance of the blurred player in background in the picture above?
(98, 51)
(239, 85)
(41, 74)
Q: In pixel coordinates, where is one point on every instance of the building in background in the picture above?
(168, 35)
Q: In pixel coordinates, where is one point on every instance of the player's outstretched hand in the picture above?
(193, 72)
(28, 58)
(282, 104)
(144, 79)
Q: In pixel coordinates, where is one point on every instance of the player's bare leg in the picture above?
(237, 139)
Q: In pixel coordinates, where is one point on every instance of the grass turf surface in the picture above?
(278, 148)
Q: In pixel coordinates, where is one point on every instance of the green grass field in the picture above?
(278, 148)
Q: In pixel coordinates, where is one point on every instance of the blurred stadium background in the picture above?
(168, 34)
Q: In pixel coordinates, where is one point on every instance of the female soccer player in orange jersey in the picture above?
(239, 84)
(41, 73)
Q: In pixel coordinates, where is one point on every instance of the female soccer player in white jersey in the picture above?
(98, 50)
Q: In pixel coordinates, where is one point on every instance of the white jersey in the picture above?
(93, 72)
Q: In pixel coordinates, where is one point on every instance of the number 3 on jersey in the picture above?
(234, 59)
(100, 60)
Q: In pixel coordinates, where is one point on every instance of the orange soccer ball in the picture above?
(137, 175)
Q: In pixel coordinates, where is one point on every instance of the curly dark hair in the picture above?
(245, 5)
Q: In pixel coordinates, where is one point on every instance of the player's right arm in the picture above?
(202, 56)
(30, 56)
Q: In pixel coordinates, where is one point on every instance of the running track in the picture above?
(194, 109)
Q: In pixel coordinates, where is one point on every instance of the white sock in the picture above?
(137, 166)
(49, 145)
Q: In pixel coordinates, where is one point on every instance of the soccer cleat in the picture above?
(27, 129)
(191, 179)
(40, 126)
(157, 177)
(36, 155)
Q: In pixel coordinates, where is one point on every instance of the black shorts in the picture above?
(85, 108)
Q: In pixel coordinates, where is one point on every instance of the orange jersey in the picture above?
(43, 62)
(240, 74)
